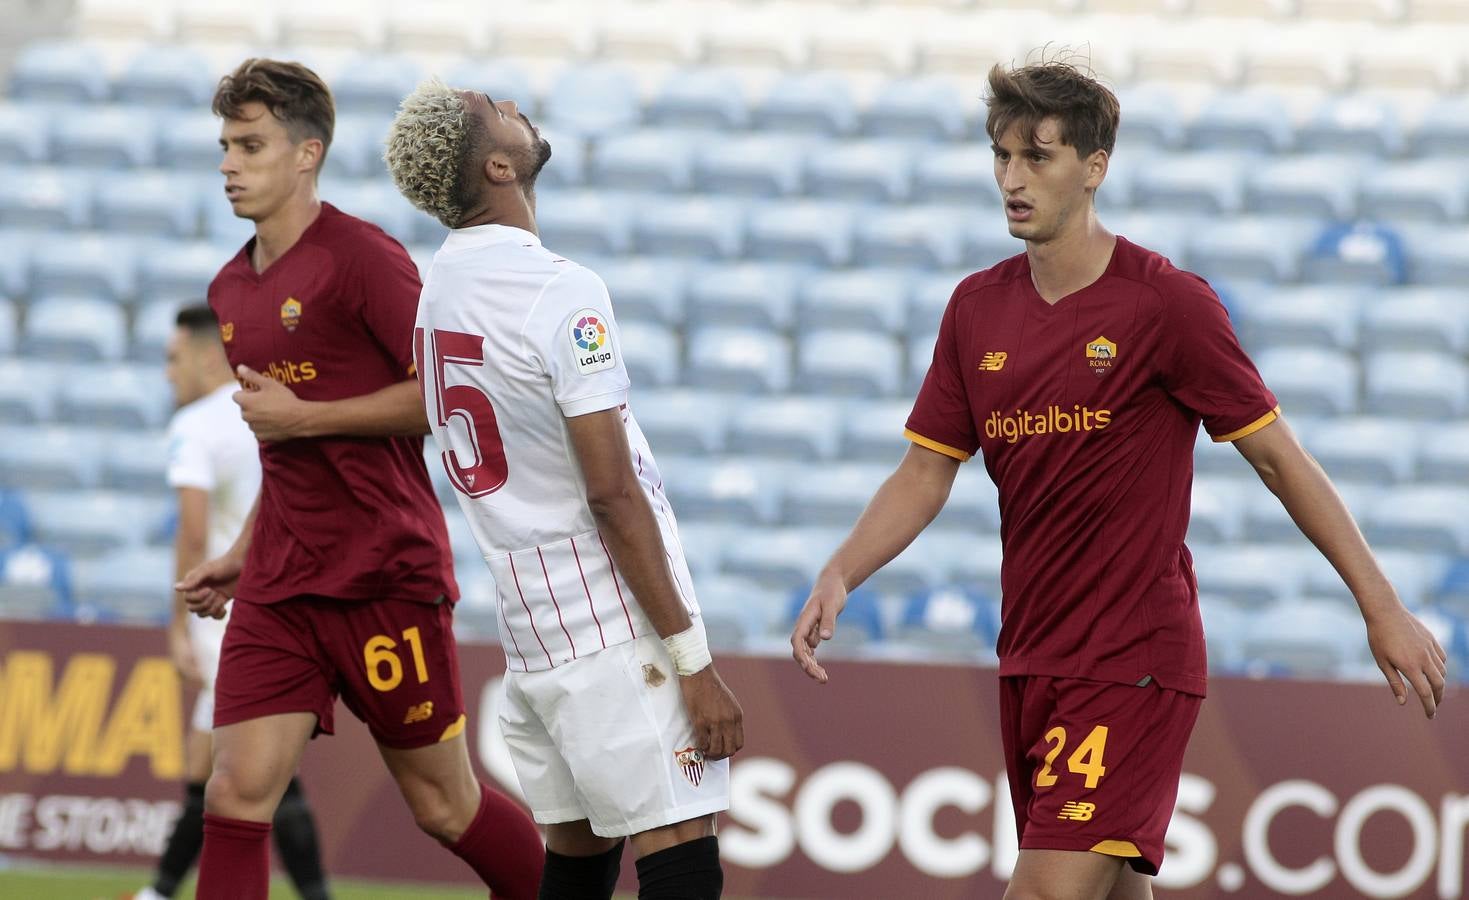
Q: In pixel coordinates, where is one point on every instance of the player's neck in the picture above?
(280, 231)
(516, 213)
(1071, 261)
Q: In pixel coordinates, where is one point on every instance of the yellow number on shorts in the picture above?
(1087, 758)
(1044, 778)
(379, 652)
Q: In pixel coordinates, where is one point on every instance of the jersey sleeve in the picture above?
(387, 290)
(189, 462)
(572, 337)
(942, 419)
(1206, 369)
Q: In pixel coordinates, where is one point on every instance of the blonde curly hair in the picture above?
(430, 145)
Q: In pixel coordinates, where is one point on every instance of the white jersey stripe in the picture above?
(549, 590)
(534, 630)
(505, 624)
(616, 582)
(590, 603)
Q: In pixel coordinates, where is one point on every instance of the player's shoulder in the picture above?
(1165, 282)
(335, 225)
(999, 276)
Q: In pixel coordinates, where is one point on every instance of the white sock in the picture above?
(148, 893)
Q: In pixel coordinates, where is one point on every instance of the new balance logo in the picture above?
(420, 713)
(993, 361)
(1077, 811)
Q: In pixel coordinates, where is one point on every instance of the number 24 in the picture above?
(1086, 759)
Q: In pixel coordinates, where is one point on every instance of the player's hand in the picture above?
(719, 722)
(271, 410)
(1405, 650)
(181, 650)
(208, 587)
(818, 622)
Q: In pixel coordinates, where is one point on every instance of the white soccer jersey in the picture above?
(511, 341)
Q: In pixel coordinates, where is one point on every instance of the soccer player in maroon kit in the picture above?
(1082, 369)
(343, 581)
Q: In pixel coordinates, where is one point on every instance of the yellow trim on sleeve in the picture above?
(1118, 848)
(453, 731)
(1250, 428)
(413, 370)
(934, 445)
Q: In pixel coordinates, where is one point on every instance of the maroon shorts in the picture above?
(1094, 765)
(394, 663)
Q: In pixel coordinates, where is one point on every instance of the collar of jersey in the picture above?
(482, 235)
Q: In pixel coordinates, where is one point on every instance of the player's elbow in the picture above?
(610, 504)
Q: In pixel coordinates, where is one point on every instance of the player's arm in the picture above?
(626, 522)
(190, 542)
(208, 586)
(274, 413)
(1399, 642)
(902, 507)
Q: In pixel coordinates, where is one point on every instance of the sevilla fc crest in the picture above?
(691, 761)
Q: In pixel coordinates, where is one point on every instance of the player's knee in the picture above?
(237, 793)
(438, 816)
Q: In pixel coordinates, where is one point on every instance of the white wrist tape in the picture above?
(689, 649)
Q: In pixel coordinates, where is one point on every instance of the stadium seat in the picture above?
(24, 136)
(864, 298)
(738, 613)
(1251, 248)
(832, 495)
(1416, 385)
(812, 232)
(875, 432)
(1312, 382)
(1429, 190)
(849, 363)
(501, 79)
(1266, 520)
(1209, 184)
(189, 143)
(179, 272)
(746, 294)
(861, 625)
(923, 108)
(971, 560)
(1254, 121)
(1414, 575)
(961, 173)
(1307, 639)
(477, 614)
(1366, 449)
(114, 396)
(97, 264)
(1443, 129)
(1269, 316)
(700, 97)
(35, 583)
(738, 359)
(375, 84)
(593, 100)
(1443, 453)
(929, 298)
(1216, 515)
(650, 352)
(568, 165)
(15, 520)
(166, 75)
(584, 223)
(920, 359)
(1164, 233)
(1222, 458)
(104, 137)
(1439, 256)
(1250, 574)
(59, 72)
(808, 103)
(8, 327)
(1353, 123)
(973, 506)
(792, 427)
(153, 326)
(1414, 318)
(987, 241)
(136, 462)
(128, 586)
(28, 390)
(652, 160)
(1361, 253)
(916, 236)
(952, 623)
(644, 288)
(148, 203)
(15, 261)
(1324, 186)
(75, 329)
(1226, 625)
(703, 543)
(1153, 118)
(878, 171)
(357, 147)
(697, 226)
(43, 198)
(683, 422)
(1452, 592)
(752, 165)
(90, 523)
(727, 490)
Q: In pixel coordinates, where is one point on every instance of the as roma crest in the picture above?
(291, 313)
(1100, 354)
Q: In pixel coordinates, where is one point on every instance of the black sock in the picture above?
(184, 843)
(295, 838)
(688, 871)
(580, 877)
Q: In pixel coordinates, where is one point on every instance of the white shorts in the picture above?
(598, 739)
(207, 636)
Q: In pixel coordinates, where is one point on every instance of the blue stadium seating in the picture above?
(849, 363)
(1359, 253)
(375, 84)
(1255, 121)
(737, 612)
(37, 198)
(179, 272)
(1417, 318)
(1416, 385)
(1422, 517)
(15, 520)
(700, 98)
(166, 75)
(649, 160)
(188, 141)
(861, 171)
(962, 173)
(24, 137)
(747, 294)
(1443, 454)
(809, 103)
(89, 523)
(1216, 516)
(1251, 248)
(1439, 256)
(861, 621)
(1443, 129)
(1324, 186)
(645, 288)
(96, 264)
(1431, 190)
(1312, 382)
(500, 79)
(758, 165)
(1354, 123)
(1414, 575)
(1250, 574)
(951, 622)
(127, 586)
(593, 100)
(1153, 118)
(697, 226)
(148, 203)
(796, 428)
(834, 498)
(651, 354)
(923, 108)
(686, 422)
(1225, 627)
(584, 223)
(811, 232)
(959, 558)
(75, 329)
(916, 236)
(1270, 316)
(61, 72)
(1266, 520)
(973, 505)
(137, 461)
(738, 359)
(104, 137)
(568, 165)
(1366, 449)
(357, 147)
(35, 583)
(1306, 638)
(877, 433)
(865, 298)
(114, 396)
(15, 262)
(27, 391)
(727, 489)
(1208, 184)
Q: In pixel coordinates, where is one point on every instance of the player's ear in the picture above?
(499, 168)
(1096, 168)
(309, 153)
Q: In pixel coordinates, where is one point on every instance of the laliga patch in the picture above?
(591, 342)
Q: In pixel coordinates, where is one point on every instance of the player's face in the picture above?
(510, 131)
(1044, 183)
(262, 166)
(182, 369)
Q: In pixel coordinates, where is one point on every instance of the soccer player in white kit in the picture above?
(618, 725)
(214, 467)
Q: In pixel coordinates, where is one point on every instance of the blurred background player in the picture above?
(342, 578)
(615, 734)
(1082, 369)
(214, 468)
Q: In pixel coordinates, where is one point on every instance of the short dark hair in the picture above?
(293, 93)
(1087, 110)
(198, 320)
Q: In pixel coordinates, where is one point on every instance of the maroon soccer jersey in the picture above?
(345, 517)
(1086, 411)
